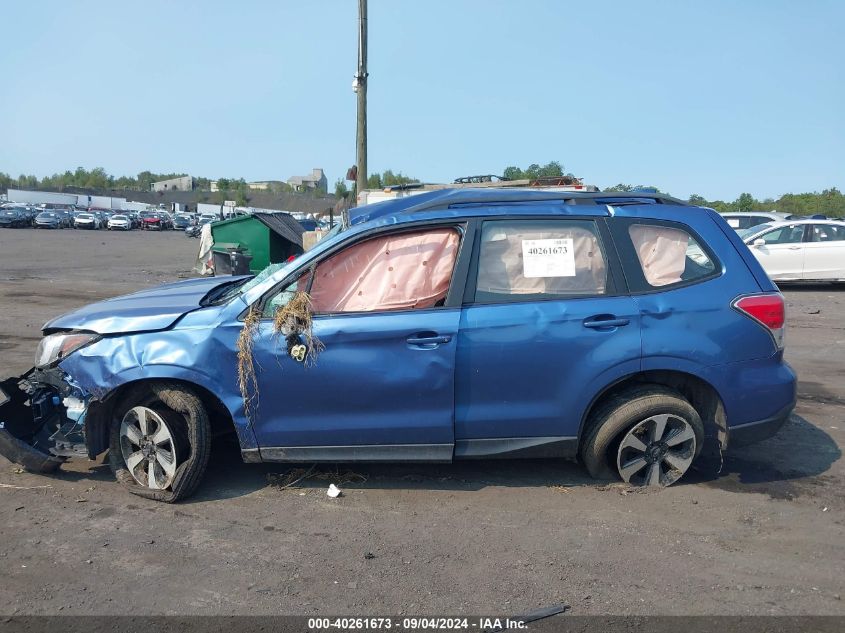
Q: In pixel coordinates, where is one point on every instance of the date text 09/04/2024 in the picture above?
(417, 623)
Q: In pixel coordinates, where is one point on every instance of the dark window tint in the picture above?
(827, 233)
(529, 259)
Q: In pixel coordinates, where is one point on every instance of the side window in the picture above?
(282, 297)
(528, 259)
(399, 271)
(791, 234)
(827, 233)
(669, 255)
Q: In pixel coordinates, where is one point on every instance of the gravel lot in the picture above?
(765, 537)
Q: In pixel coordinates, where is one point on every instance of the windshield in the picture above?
(239, 287)
(743, 233)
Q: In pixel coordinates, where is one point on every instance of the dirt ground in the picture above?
(765, 537)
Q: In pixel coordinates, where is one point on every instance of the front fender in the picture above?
(202, 356)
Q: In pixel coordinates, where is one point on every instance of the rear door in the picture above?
(781, 252)
(545, 321)
(824, 254)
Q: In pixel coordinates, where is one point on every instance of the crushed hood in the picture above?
(154, 309)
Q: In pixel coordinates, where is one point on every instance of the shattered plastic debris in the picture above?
(333, 491)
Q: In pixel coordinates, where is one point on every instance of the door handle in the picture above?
(429, 341)
(602, 322)
(794, 248)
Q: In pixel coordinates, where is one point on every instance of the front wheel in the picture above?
(647, 435)
(160, 442)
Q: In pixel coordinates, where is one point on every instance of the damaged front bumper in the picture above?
(42, 419)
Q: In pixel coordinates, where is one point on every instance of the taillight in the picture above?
(768, 310)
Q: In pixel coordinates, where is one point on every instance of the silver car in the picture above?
(119, 223)
(86, 221)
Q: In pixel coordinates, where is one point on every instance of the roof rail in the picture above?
(444, 198)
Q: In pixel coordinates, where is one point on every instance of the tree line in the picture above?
(830, 202)
(96, 178)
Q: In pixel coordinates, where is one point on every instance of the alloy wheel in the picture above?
(657, 451)
(148, 447)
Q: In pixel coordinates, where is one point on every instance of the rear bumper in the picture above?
(752, 432)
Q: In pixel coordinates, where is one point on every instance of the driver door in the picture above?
(382, 387)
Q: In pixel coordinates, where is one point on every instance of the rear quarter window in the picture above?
(658, 255)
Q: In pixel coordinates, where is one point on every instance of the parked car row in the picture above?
(12, 217)
(64, 217)
(196, 229)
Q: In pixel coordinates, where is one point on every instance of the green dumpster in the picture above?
(268, 238)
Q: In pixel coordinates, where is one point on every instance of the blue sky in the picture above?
(715, 97)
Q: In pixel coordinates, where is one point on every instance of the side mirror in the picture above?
(759, 242)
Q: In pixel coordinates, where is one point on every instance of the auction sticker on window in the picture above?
(548, 258)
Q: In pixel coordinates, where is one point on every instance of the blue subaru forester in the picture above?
(628, 331)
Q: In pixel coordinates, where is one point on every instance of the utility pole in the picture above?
(360, 87)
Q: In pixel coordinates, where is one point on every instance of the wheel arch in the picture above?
(101, 412)
(701, 394)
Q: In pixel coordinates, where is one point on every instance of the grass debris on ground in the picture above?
(295, 476)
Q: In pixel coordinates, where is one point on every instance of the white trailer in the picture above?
(41, 197)
(99, 202)
(134, 206)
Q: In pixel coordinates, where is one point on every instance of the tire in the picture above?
(187, 422)
(622, 416)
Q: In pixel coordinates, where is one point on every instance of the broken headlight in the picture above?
(55, 347)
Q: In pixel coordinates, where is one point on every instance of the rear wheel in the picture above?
(646, 435)
(160, 442)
